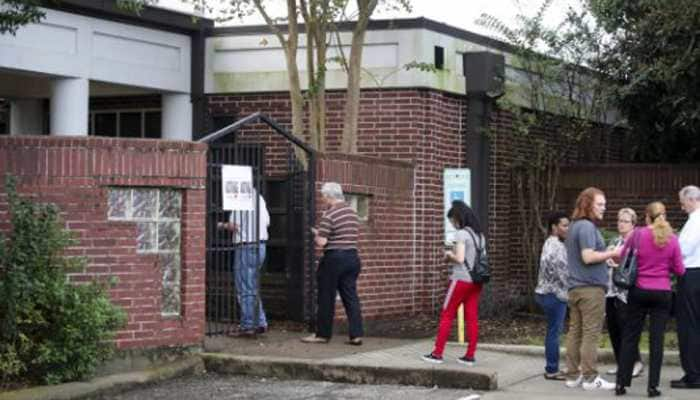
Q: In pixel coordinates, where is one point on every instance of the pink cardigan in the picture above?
(655, 263)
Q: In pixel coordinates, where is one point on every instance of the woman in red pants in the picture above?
(461, 290)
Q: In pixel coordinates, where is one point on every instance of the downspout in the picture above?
(484, 74)
(198, 55)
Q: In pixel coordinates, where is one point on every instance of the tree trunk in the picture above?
(352, 100)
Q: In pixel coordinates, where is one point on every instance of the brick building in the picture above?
(413, 125)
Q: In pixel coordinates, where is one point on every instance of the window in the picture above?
(4, 117)
(359, 203)
(135, 123)
(156, 213)
(439, 57)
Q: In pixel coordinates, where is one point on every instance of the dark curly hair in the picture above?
(464, 216)
(554, 218)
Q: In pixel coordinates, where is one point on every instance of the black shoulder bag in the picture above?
(625, 275)
(481, 271)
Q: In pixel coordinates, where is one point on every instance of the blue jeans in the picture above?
(246, 270)
(555, 311)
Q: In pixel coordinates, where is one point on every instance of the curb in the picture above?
(289, 368)
(671, 357)
(108, 384)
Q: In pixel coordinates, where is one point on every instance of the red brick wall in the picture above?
(415, 125)
(390, 276)
(631, 185)
(510, 272)
(426, 127)
(76, 174)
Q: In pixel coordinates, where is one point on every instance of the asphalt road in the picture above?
(211, 386)
(530, 386)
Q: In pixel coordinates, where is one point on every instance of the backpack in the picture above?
(481, 271)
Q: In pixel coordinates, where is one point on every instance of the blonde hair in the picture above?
(656, 212)
(629, 212)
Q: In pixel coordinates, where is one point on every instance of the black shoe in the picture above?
(243, 333)
(681, 384)
(432, 358)
(653, 392)
(620, 390)
(261, 330)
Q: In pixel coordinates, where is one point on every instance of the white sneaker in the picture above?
(574, 383)
(638, 369)
(598, 384)
(612, 371)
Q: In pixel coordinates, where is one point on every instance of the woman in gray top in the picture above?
(462, 290)
(616, 298)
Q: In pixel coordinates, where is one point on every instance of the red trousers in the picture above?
(466, 293)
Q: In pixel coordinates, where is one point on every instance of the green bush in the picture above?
(51, 331)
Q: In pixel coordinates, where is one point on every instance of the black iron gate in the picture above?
(291, 201)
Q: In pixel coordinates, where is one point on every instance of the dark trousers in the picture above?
(688, 320)
(640, 303)
(338, 272)
(615, 313)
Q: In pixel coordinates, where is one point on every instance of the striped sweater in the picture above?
(340, 225)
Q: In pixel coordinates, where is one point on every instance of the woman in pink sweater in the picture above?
(658, 255)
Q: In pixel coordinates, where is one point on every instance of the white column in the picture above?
(26, 117)
(176, 117)
(69, 106)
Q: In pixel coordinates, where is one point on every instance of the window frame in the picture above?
(118, 112)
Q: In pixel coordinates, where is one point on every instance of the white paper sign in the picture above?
(237, 187)
(456, 186)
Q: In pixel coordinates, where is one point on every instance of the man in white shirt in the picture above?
(688, 296)
(249, 240)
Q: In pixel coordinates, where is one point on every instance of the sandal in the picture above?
(555, 376)
(314, 339)
(355, 341)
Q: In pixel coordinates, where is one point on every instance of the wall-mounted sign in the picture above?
(456, 186)
(237, 187)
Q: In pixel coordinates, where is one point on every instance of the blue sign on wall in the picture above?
(456, 186)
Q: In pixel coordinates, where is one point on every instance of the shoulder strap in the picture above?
(478, 248)
(635, 239)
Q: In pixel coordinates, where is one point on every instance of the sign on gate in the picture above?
(456, 186)
(237, 187)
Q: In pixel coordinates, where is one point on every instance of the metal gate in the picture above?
(290, 245)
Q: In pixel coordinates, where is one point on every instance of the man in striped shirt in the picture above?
(339, 267)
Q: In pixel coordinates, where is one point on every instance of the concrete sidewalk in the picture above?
(382, 361)
(377, 361)
(502, 372)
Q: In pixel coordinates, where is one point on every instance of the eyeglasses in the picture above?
(624, 221)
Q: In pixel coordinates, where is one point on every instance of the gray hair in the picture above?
(332, 190)
(690, 192)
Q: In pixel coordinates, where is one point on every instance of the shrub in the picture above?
(50, 330)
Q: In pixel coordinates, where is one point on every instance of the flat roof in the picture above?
(378, 25)
(150, 17)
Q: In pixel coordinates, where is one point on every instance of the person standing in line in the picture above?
(658, 255)
(339, 267)
(552, 288)
(249, 240)
(688, 296)
(588, 281)
(461, 290)
(616, 298)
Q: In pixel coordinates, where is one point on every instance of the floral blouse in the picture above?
(554, 274)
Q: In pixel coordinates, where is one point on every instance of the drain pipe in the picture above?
(484, 72)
